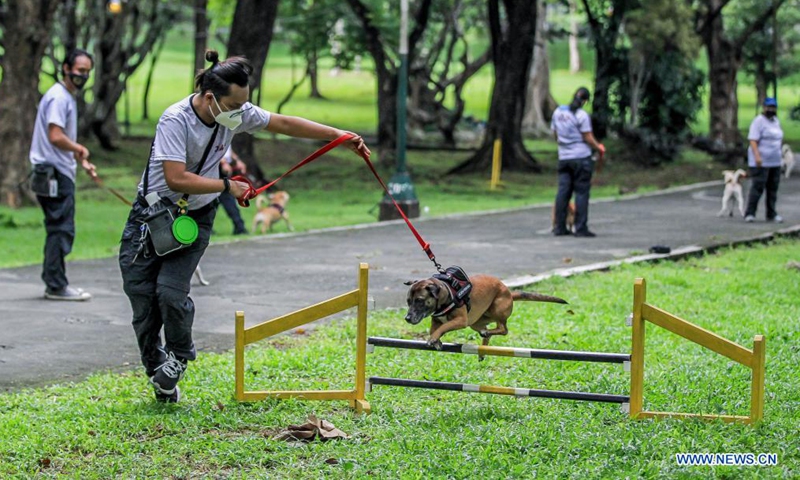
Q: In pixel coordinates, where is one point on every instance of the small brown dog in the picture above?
(570, 217)
(490, 301)
(268, 215)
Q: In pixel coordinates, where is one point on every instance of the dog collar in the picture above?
(277, 207)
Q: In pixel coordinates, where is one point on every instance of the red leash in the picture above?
(252, 192)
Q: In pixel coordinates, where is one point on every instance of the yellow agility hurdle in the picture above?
(753, 359)
(354, 298)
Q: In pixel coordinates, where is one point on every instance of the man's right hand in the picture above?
(81, 153)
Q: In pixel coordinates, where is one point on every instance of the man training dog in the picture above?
(455, 301)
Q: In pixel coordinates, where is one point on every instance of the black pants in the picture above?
(762, 178)
(59, 223)
(574, 176)
(228, 202)
(158, 289)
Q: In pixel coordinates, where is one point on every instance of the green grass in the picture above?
(109, 426)
(336, 190)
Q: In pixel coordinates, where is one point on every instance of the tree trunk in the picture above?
(149, 82)
(26, 26)
(512, 51)
(574, 53)
(251, 36)
(761, 84)
(723, 66)
(201, 23)
(313, 61)
(539, 103)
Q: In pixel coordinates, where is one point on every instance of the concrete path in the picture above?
(44, 342)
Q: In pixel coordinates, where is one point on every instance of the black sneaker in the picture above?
(174, 397)
(561, 233)
(585, 234)
(168, 374)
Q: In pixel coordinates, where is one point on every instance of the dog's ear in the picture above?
(433, 289)
(410, 282)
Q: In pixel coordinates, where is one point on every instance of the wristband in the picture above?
(227, 183)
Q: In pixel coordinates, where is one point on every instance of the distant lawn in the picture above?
(109, 426)
(336, 190)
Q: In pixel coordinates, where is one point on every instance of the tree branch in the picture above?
(709, 18)
(421, 23)
(757, 25)
(372, 34)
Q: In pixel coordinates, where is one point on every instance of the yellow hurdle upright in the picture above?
(753, 359)
(246, 336)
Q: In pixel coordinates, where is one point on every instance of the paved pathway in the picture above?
(44, 342)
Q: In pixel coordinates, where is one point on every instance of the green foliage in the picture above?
(662, 26)
(109, 427)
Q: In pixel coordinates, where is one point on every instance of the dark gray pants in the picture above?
(762, 178)
(574, 176)
(158, 289)
(59, 223)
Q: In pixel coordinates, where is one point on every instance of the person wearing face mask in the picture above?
(54, 155)
(191, 138)
(764, 160)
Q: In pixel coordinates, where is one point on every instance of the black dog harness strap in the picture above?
(458, 284)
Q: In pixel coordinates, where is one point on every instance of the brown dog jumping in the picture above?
(490, 301)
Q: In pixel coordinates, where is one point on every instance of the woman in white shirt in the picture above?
(764, 160)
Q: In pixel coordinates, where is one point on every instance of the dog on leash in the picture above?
(570, 217)
(269, 214)
(788, 159)
(733, 188)
(489, 302)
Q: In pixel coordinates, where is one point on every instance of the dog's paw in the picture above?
(437, 344)
(484, 334)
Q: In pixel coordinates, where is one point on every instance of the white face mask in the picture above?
(230, 119)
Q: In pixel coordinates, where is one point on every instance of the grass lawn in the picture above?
(336, 190)
(109, 426)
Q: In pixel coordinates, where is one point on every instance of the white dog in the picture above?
(787, 159)
(733, 188)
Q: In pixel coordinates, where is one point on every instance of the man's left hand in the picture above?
(90, 168)
(357, 145)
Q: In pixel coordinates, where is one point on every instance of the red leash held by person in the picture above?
(253, 192)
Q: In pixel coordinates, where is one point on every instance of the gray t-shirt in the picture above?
(57, 107)
(570, 128)
(769, 136)
(181, 136)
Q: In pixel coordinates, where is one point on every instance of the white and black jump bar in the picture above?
(518, 392)
(568, 355)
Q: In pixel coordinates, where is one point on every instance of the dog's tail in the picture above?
(260, 201)
(535, 297)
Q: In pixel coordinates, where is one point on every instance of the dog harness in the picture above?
(277, 207)
(458, 285)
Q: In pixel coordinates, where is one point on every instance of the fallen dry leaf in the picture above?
(311, 430)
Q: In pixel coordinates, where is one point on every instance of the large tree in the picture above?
(724, 49)
(605, 22)
(26, 26)
(251, 36)
(513, 30)
(540, 104)
(382, 49)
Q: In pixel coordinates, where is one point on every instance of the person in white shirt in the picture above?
(191, 138)
(764, 160)
(54, 155)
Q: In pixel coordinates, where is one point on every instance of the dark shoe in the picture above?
(67, 294)
(585, 234)
(561, 233)
(240, 232)
(168, 374)
(174, 397)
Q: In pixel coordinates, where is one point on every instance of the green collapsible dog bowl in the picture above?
(185, 230)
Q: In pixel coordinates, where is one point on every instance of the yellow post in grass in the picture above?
(757, 389)
(497, 163)
(359, 403)
(637, 348)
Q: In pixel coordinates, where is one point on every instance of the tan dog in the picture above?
(570, 217)
(491, 302)
(268, 215)
(733, 188)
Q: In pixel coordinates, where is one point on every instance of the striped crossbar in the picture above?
(518, 392)
(600, 357)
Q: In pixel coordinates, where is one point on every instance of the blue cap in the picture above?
(770, 102)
